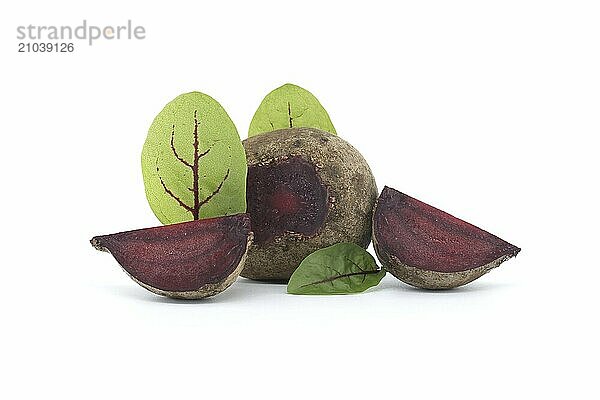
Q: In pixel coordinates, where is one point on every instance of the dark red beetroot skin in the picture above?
(429, 248)
(188, 260)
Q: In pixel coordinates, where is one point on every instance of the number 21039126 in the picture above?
(46, 47)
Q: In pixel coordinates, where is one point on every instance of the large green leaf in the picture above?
(193, 161)
(339, 269)
(290, 106)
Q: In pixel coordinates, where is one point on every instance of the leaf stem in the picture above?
(195, 170)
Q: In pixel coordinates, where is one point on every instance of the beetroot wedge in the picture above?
(428, 248)
(190, 260)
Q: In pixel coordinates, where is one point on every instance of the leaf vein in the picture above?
(333, 278)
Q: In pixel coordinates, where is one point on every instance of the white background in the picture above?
(489, 110)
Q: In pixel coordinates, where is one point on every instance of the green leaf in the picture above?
(339, 269)
(193, 161)
(290, 106)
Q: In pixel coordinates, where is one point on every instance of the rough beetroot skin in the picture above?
(428, 248)
(188, 260)
(307, 189)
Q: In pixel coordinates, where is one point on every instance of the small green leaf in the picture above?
(339, 269)
(290, 106)
(193, 161)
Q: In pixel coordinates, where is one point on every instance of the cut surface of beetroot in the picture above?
(184, 257)
(424, 237)
(285, 196)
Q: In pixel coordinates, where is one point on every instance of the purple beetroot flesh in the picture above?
(187, 260)
(429, 248)
(286, 196)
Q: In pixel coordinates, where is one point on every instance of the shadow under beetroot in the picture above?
(236, 292)
(473, 287)
(244, 289)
